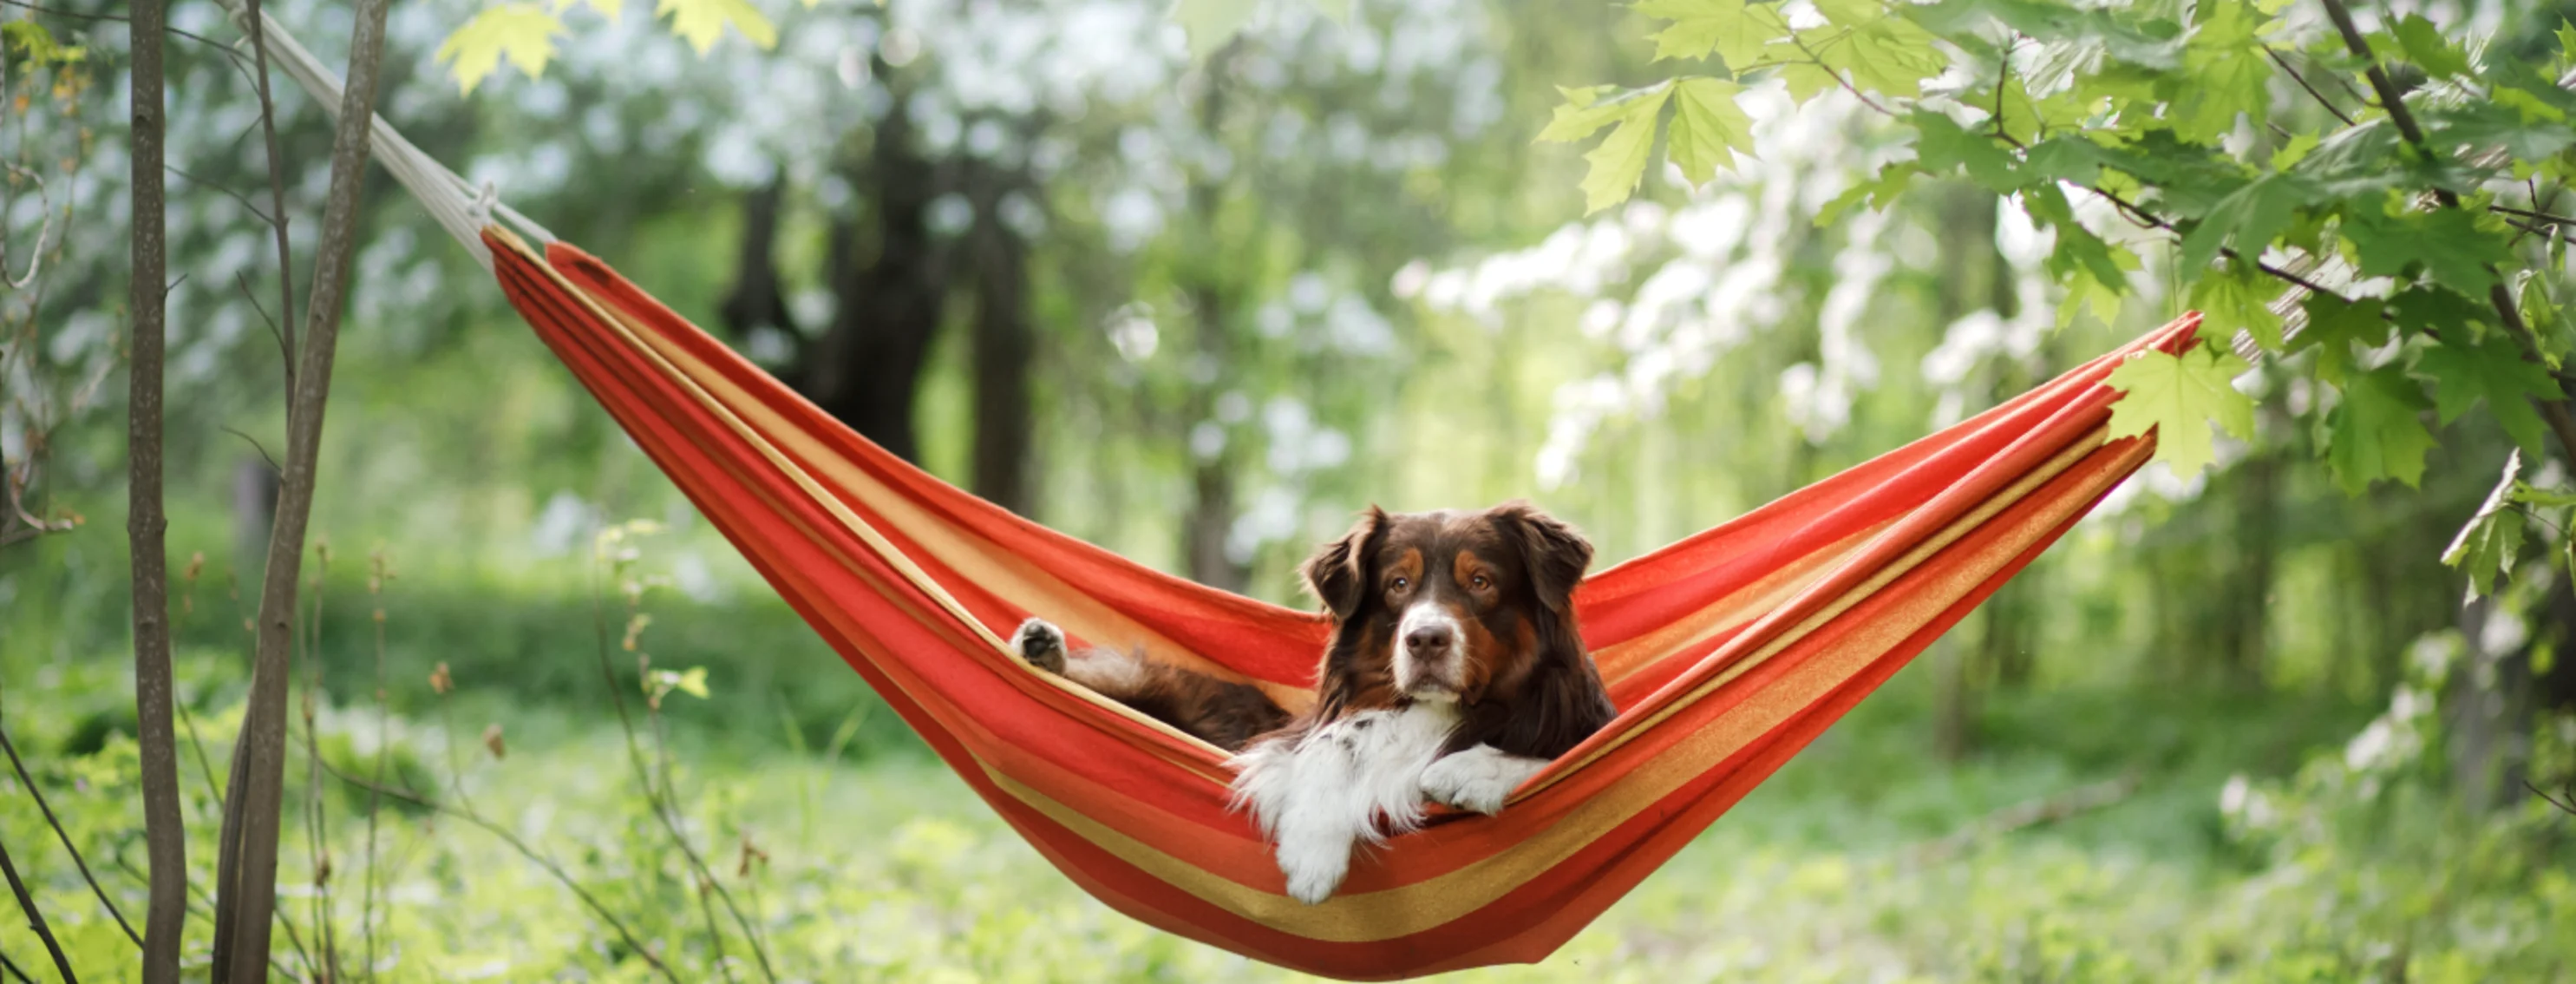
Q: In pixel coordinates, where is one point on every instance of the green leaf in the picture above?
(1337, 11)
(37, 45)
(1878, 192)
(2179, 397)
(2235, 299)
(2224, 73)
(1584, 111)
(2424, 46)
(1806, 80)
(1882, 51)
(2292, 152)
(2249, 217)
(524, 33)
(1209, 23)
(1734, 30)
(1620, 161)
(2566, 41)
(702, 22)
(2066, 158)
(2543, 498)
(2115, 31)
(2375, 433)
(1944, 147)
(2494, 371)
(2448, 244)
(2485, 548)
(1708, 128)
(2428, 310)
(2334, 327)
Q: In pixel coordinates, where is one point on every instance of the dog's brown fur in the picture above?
(1506, 576)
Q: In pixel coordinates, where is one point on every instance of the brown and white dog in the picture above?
(1455, 672)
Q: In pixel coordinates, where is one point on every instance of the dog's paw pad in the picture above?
(1041, 644)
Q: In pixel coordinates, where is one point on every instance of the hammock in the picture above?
(1726, 653)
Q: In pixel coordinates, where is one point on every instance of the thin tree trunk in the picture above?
(1005, 345)
(1212, 493)
(757, 300)
(166, 841)
(866, 370)
(247, 893)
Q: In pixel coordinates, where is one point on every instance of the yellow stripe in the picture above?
(867, 534)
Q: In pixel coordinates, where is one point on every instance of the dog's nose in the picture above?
(1429, 638)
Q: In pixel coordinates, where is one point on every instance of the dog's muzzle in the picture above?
(1430, 654)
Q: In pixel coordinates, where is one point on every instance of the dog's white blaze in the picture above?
(1409, 665)
(1352, 780)
(1478, 778)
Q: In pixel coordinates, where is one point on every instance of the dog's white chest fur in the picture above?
(1359, 779)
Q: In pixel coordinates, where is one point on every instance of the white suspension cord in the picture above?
(461, 208)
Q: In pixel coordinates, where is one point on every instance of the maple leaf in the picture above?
(1708, 128)
(2493, 371)
(2375, 433)
(2425, 47)
(2485, 546)
(2179, 397)
(2250, 216)
(2334, 327)
(2237, 299)
(1734, 30)
(1944, 145)
(1620, 160)
(1882, 51)
(524, 33)
(2448, 243)
(702, 22)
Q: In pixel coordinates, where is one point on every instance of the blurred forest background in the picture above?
(2238, 725)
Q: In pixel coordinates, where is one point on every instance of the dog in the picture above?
(1455, 672)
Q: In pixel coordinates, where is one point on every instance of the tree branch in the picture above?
(164, 830)
(2303, 83)
(258, 27)
(2501, 296)
(60, 834)
(36, 918)
(247, 897)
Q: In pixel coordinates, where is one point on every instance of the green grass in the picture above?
(885, 867)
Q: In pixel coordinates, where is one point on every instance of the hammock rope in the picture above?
(1725, 653)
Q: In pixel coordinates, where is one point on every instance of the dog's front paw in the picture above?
(1477, 779)
(1041, 644)
(1314, 866)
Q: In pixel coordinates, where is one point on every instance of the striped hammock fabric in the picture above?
(1726, 653)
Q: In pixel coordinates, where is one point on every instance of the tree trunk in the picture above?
(756, 300)
(866, 370)
(2245, 590)
(246, 889)
(1954, 706)
(165, 839)
(1212, 492)
(1005, 344)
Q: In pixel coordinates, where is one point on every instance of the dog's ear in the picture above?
(1554, 553)
(1338, 573)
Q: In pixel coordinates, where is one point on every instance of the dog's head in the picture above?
(1447, 606)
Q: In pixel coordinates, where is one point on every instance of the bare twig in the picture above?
(246, 203)
(60, 834)
(164, 831)
(2303, 83)
(37, 261)
(384, 746)
(36, 918)
(2568, 804)
(247, 895)
(278, 219)
(659, 801)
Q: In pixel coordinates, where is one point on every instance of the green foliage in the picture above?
(524, 33)
(2178, 397)
(2225, 126)
(29, 41)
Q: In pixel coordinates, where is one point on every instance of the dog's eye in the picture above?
(1400, 583)
(1481, 583)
